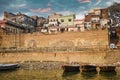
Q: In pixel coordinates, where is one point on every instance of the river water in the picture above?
(22, 74)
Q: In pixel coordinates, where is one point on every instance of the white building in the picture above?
(53, 19)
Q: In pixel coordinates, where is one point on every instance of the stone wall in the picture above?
(90, 39)
(81, 57)
(12, 40)
(91, 57)
(68, 39)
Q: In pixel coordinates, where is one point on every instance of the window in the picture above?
(62, 20)
(69, 20)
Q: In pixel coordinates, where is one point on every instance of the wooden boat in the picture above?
(68, 74)
(8, 66)
(88, 68)
(107, 68)
(71, 68)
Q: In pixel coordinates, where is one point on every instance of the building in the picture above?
(96, 18)
(57, 22)
(53, 19)
(9, 27)
(53, 29)
(96, 11)
(67, 20)
(104, 18)
(95, 21)
(40, 22)
(87, 22)
(8, 15)
(10, 31)
(21, 20)
(79, 23)
(2, 23)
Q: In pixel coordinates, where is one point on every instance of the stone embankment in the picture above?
(41, 65)
(54, 60)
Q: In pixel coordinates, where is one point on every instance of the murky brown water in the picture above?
(21, 74)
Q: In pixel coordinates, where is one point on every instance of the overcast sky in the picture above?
(43, 8)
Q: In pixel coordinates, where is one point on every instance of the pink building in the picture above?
(79, 23)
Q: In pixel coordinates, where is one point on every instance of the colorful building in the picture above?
(104, 18)
(67, 20)
(9, 27)
(22, 20)
(95, 21)
(87, 22)
(53, 19)
(96, 18)
(79, 23)
(96, 11)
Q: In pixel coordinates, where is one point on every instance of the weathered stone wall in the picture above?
(12, 40)
(67, 39)
(91, 57)
(113, 56)
(81, 57)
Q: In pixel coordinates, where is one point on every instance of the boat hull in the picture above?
(8, 66)
(107, 68)
(68, 68)
(88, 68)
